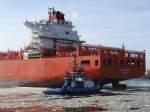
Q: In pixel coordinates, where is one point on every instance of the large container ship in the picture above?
(48, 57)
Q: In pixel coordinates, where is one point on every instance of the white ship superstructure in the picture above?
(47, 34)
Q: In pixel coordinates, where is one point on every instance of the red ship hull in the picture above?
(50, 71)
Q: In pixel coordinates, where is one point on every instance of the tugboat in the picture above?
(76, 85)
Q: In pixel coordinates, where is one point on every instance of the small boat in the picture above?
(75, 86)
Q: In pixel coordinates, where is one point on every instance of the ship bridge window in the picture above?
(67, 32)
(85, 62)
